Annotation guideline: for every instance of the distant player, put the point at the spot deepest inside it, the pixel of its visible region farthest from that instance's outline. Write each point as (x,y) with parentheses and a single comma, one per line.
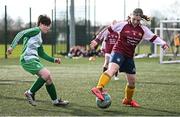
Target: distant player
(29,60)
(177,43)
(107,45)
(131,33)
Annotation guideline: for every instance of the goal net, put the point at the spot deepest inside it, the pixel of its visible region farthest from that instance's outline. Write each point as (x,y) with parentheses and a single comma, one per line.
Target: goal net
(170,31)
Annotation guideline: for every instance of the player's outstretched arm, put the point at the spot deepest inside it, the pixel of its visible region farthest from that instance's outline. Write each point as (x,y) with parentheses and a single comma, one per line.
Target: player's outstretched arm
(43,55)
(165,47)
(15,41)
(93,44)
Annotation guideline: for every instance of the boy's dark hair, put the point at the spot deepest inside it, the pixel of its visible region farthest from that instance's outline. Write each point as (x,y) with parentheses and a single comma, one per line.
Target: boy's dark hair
(44,19)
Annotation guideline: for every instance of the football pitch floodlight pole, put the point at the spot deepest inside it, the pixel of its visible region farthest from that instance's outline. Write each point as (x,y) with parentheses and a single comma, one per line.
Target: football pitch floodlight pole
(89,18)
(72,25)
(5,31)
(67,27)
(124,9)
(52,32)
(138,47)
(30,24)
(85,9)
(54,27)
(94,17)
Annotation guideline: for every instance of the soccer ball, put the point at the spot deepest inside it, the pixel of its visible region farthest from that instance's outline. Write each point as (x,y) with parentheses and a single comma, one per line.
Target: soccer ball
(104,104)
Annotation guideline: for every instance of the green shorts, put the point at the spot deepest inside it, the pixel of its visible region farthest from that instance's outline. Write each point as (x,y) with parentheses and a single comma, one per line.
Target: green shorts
(33,66)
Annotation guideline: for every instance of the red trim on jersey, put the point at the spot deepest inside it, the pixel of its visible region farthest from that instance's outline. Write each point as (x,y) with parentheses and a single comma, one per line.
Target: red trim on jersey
(98,40)
(110,29)
(154,37)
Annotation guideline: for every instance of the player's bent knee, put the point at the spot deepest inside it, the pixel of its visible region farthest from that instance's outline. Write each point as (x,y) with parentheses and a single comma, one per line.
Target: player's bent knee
(45,74)
(49,81)
(110,72)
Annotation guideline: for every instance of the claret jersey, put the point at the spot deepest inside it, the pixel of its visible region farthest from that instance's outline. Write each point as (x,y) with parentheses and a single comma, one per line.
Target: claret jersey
(108,41)
(131,36)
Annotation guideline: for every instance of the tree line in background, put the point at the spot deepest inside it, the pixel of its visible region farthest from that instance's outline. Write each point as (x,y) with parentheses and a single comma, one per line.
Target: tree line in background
(83,33)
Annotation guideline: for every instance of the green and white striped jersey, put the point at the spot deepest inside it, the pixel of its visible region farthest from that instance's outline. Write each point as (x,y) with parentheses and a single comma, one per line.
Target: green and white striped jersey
(32,44)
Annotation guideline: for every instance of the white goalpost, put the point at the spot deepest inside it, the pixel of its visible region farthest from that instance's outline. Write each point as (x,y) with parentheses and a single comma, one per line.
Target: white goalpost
(168,29)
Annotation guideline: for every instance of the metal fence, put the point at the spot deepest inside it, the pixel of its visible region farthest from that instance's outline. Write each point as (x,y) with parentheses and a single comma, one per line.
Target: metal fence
(58,37)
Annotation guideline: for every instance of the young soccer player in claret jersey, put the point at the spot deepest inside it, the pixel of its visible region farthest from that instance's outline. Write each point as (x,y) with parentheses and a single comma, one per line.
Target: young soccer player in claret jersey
(131,33)
(107,45)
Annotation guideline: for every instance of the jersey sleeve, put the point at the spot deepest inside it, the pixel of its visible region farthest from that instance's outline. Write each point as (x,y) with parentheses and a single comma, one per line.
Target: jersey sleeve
(101,35)
(25,33)
(150,36)
(43,55)
(17,38)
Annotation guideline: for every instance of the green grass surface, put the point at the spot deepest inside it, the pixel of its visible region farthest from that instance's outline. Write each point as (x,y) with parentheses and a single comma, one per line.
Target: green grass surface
(17,51)
(142,49)
(157,89)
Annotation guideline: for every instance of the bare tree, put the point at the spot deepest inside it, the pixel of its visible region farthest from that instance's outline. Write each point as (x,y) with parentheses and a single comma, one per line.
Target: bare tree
(170,12)
(173,11)
(18,24)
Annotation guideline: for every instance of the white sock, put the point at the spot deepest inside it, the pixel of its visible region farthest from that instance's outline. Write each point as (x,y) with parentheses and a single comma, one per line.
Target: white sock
(29,92)
(55,101)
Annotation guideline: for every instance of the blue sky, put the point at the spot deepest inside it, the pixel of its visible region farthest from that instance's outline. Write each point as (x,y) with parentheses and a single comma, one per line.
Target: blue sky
(106,10)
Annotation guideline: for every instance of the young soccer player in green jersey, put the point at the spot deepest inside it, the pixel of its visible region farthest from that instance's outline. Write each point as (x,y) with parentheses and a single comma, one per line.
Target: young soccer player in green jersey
(29,60)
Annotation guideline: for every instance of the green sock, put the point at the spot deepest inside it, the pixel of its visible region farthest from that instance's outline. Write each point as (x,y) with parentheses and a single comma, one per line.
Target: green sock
(51,91)
(37,85)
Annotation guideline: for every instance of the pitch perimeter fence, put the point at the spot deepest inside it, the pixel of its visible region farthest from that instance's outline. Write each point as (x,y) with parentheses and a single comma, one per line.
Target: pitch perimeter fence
(57,39)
